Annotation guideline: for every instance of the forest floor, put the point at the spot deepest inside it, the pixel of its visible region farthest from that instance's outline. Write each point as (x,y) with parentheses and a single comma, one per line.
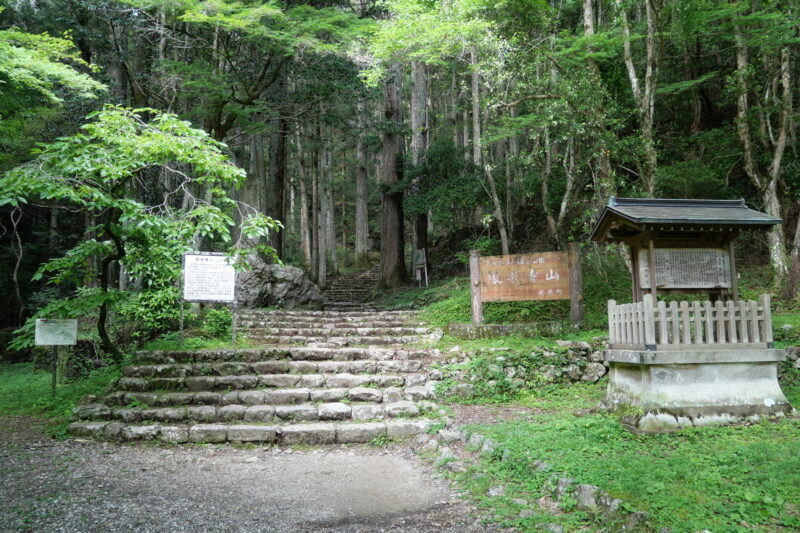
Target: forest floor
(81,485)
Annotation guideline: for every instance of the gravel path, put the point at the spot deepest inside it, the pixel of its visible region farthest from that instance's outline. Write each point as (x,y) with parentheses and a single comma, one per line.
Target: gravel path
(84,486)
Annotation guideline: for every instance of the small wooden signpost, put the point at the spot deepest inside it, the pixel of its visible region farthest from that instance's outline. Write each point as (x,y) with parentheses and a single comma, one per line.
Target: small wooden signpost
(420,266)
(55,333)
(525,277)
(208,277)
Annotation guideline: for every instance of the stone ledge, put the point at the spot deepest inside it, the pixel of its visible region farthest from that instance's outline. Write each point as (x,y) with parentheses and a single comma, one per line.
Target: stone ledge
(532,330)
(691,357)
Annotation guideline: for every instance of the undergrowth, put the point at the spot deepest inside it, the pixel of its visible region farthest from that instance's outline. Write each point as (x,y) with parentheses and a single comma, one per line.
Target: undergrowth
(721,479)
(26,391)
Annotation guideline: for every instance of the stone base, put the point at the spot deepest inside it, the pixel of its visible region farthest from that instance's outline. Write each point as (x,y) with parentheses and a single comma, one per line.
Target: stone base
(665,390)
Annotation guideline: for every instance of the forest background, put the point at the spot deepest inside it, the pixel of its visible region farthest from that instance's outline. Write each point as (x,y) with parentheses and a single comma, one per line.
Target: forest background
(368,126)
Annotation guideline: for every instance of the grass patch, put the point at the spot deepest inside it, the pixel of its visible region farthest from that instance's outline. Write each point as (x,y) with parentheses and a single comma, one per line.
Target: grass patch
(724,479)
(26,391)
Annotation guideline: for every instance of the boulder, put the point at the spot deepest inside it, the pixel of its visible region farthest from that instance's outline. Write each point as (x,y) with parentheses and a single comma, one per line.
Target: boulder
(287,287)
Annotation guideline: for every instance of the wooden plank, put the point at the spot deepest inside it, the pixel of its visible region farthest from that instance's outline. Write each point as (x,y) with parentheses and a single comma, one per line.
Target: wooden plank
(733,338)
(663,332)
(709,322)
(720,311)
(475,286)
(627,334)
(732,258)
(635,323)
(673,316)
(767,310)
(743,333)
(525,277)
(612,322)
(649,321)
(651,263)
(575,285)
(687,329)
(698,325)
(755,328)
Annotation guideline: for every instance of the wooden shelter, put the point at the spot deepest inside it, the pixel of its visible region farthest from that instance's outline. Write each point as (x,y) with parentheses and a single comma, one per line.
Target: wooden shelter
(687,243)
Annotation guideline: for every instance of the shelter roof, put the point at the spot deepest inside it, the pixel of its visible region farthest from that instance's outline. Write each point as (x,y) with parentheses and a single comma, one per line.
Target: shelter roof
(636,213)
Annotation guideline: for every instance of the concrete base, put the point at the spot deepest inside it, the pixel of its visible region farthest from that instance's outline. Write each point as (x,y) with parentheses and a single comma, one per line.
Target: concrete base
(665,390)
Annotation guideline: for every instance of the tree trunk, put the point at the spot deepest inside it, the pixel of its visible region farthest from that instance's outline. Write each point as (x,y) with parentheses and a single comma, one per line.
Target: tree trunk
(605,182)
(280,182)
(305,235)
(645,102)
(419,103)
(393,271)
(322,234)
(476,110)
(361,259)
(330,222)
(767,182)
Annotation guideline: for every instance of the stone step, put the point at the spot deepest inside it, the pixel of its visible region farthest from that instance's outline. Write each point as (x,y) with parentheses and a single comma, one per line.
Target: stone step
(260,413)
(183,370)
(129,399)
(302,324)
(296,353)
(367,316)
(341,341)
(266,381)
(311,433)
(273,331)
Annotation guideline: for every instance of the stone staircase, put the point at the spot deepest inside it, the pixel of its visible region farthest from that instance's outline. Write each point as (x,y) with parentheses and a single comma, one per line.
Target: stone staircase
(350,292)
(319,377)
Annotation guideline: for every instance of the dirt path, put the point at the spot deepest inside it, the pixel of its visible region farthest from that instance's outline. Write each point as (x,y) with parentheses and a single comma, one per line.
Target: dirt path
(83,486)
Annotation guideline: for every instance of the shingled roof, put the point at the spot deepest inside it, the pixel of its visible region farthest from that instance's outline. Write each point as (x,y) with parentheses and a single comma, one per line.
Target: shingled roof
(649,211)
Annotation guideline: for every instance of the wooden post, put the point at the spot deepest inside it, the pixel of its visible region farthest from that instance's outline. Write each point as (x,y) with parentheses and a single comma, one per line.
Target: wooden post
(54,369)
(734,285)
(651,264)
(475,286)
(575,285)
(764,300)
(612,323)
(233,322)
(649,322)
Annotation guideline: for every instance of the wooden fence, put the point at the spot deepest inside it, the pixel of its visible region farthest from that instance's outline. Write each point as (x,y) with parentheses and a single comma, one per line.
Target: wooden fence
(643,325)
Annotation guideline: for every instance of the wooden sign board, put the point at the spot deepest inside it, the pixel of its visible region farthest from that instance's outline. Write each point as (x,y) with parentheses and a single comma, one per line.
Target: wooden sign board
(524,277)
(687,268)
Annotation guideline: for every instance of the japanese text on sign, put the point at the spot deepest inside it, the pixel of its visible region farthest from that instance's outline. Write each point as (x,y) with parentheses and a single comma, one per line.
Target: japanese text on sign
(208,278)
(52,332)
(523,277)
(682,268)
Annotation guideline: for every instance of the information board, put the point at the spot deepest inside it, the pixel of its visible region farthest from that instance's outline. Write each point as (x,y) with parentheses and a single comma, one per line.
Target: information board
(208,277)
(56,332)
(522,277)
(687,268)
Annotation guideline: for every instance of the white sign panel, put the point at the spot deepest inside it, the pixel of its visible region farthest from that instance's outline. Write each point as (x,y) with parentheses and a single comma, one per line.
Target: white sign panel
(208,278)
(53,332)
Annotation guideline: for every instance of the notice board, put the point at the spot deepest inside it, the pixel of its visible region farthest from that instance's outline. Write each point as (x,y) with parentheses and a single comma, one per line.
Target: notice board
(208,277)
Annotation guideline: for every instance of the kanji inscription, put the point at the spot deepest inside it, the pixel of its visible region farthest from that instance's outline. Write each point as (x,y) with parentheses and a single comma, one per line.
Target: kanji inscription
(509,278)
(687,268)
(208,278)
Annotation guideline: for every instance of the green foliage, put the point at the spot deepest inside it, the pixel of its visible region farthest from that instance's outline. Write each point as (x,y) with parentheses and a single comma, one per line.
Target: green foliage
(151,312)
(500,375)
(26,391)
(92,171)
(40,63)
(218,322)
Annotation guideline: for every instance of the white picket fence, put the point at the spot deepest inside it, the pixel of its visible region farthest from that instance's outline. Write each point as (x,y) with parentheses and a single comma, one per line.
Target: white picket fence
(696,324)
